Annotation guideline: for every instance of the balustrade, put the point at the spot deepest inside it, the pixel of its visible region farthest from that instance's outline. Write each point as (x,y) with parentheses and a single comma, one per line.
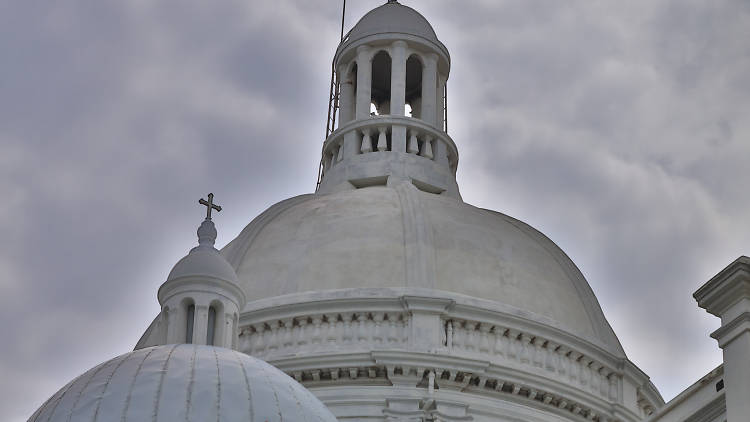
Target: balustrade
(323,332)
(508,345)
(373,330)
(376,135)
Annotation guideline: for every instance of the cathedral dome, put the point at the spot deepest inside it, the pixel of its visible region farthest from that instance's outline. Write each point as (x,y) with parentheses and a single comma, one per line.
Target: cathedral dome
(404,238)
(183,382)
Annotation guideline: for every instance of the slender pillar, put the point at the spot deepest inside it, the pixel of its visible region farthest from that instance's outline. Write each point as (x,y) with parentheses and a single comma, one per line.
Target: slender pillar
(364,82)
(346,99)
(429,89)
(175,326)
(398,94)
(398,78)
(200,328)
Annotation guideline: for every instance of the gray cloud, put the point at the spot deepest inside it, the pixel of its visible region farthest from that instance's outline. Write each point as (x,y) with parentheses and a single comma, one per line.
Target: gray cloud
(618,129)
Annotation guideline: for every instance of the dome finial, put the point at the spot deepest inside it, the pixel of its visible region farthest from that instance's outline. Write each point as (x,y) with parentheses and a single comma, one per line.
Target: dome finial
(207,230)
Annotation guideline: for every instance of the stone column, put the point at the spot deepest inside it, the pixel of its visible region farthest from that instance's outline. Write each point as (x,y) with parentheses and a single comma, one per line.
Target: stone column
(346,98)
(364,82)
(429,88)
(398,78)
(398,94)
(200,327)
(727,295)
(175,325)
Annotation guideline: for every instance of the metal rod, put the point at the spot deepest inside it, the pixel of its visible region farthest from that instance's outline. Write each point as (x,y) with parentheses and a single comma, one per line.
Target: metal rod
(343,13)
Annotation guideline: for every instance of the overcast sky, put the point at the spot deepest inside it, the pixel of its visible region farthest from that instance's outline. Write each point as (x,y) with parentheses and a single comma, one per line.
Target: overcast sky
(619,129)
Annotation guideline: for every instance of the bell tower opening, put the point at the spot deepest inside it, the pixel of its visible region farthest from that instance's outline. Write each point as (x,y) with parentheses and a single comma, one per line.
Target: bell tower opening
(381,84)
(414,86)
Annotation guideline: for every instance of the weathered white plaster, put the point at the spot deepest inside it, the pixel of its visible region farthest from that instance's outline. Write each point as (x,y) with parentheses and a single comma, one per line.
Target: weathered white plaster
(183,383)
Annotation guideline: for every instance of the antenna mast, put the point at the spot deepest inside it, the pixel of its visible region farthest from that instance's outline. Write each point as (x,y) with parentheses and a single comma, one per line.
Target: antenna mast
(333,97)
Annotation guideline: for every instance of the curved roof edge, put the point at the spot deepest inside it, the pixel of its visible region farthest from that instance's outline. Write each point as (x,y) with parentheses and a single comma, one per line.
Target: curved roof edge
(593,309)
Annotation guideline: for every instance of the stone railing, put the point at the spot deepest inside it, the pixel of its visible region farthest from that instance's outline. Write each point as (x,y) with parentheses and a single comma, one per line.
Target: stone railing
(512,347)
(389,133)
(419,341)
(327,332)
(389,330)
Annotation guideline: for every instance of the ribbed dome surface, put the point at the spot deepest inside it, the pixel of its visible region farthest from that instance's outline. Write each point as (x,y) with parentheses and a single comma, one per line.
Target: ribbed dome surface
(401,237)
(183,383)
(394,18)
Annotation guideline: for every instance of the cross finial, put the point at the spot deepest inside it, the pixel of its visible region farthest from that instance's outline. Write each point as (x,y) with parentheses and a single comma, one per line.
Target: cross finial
(209,205)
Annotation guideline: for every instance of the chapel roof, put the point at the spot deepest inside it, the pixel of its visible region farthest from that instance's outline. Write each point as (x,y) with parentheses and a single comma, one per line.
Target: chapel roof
(183,382)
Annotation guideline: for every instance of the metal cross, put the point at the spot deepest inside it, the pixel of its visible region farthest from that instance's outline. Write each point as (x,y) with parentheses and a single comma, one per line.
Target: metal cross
(209,205)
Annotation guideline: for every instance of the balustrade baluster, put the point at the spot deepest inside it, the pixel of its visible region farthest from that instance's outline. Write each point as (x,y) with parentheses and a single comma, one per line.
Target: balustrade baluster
(458,335)
(595,376)
(317,320)
(563,361)
(377,332)
(286,334)
(391,335)
(613,381)
(273,341)
(259,346)
(513,344)
(346,337)
(501,342)
(332,334)
(551,357)
(366,141)
(538,352)
(604,382)
(413,147)
(382,140)
(361,328)
(302,332)
(525,348)
(470,338)
(585,374)
(245,343)
(427,147)
(484,342)
(574,368)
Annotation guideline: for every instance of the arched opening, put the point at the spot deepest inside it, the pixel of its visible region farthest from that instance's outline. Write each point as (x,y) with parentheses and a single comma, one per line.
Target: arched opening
(211,329)
(190,323)
(381,84)
(414,86)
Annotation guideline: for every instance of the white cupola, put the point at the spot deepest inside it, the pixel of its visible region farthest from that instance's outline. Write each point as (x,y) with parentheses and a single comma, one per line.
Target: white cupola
(388,107)
(201,299)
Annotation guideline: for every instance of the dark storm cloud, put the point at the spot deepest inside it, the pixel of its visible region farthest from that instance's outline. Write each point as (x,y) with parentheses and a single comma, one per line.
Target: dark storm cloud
(619,129)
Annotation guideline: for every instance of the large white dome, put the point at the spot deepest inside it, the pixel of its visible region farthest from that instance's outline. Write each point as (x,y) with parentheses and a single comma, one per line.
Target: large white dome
(183,382)
(386,237)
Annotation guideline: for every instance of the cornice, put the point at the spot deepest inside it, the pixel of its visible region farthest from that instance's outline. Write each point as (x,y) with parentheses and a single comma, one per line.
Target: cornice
(726,288)
(731,330)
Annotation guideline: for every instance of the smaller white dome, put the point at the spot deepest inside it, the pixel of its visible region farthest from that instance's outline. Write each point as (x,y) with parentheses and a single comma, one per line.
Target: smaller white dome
(204,260)
(393,17)
(183,382)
